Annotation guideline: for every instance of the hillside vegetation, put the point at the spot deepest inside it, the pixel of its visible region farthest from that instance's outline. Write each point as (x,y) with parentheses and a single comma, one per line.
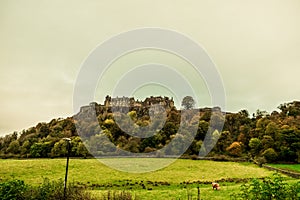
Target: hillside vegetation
(264,137)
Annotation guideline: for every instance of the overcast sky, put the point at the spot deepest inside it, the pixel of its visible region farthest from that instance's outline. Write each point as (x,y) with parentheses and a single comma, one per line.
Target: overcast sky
(254,44)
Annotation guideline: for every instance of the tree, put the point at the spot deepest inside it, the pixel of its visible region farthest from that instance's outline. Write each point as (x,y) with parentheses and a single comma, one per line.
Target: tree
(188,102)
(132,145)
(202,130)
(261,113)
(235,149)
(81,150)
(59,149)
(224,141)
(14,147)
(217,120)
(41,150)
(25,148)
(267,142)
(170,129)
(255,145)
(271,129)
(270,155)
(100,144)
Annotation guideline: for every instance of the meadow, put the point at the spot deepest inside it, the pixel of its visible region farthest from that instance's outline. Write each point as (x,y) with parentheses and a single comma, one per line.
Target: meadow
(291,167)
(177,181)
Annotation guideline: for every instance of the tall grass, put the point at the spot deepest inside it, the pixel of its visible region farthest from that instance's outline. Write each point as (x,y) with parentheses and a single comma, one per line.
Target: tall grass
(118,195)
(48,190)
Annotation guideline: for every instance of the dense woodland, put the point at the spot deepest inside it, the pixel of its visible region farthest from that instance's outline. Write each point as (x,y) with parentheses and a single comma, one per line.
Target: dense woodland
(262,137)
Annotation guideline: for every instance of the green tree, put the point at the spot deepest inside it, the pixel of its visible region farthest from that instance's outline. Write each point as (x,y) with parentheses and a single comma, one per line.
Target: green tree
(202,130)
(100,144)
(217,120)
(59,149)
(81,150)
(14,147)
(270,155)
(267,142)
(255,145)
(271,129)
(224,141)
(41,149)
(132,145)
(188,103)
(169,129)
(25,148)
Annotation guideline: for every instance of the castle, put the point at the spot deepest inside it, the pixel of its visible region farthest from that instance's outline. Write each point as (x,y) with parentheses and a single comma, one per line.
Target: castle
(126,104)
(129,103)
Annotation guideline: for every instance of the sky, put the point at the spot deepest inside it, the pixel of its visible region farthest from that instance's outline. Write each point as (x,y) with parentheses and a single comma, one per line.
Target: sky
(255,46)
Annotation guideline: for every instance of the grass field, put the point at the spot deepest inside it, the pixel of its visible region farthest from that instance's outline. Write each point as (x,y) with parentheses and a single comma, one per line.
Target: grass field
(173,182)
(292,167)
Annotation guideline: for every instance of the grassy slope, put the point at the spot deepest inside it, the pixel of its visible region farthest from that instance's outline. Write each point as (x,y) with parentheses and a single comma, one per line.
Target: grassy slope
(91,171)
(293,167)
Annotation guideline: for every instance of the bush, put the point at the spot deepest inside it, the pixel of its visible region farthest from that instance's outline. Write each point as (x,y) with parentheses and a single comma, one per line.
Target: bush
(12,190)
(55,190)
(269,188)
(48,190)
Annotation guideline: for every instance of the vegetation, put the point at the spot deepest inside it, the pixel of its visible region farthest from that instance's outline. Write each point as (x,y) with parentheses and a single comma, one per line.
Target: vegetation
(50,190)
(263,137)
(188,102)
(91,172)
(177,181)
(118,195)
(291,167)
(269,188)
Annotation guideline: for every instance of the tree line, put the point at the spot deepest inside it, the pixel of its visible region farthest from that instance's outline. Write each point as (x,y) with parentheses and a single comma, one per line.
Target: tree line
(264,137)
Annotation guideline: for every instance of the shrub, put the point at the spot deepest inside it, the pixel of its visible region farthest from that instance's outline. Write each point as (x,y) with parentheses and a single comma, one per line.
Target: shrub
(48,190)
(12,190)
(54,190)
(268,188)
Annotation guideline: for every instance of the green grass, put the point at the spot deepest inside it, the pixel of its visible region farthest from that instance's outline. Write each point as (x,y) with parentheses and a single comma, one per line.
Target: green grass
(173,182)
(292,167)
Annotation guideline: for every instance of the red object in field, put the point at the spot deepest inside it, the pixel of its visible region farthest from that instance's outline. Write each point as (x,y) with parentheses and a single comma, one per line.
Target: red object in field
(215,186)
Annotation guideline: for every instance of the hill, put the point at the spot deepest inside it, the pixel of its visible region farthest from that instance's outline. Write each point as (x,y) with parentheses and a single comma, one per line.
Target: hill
(264,137)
